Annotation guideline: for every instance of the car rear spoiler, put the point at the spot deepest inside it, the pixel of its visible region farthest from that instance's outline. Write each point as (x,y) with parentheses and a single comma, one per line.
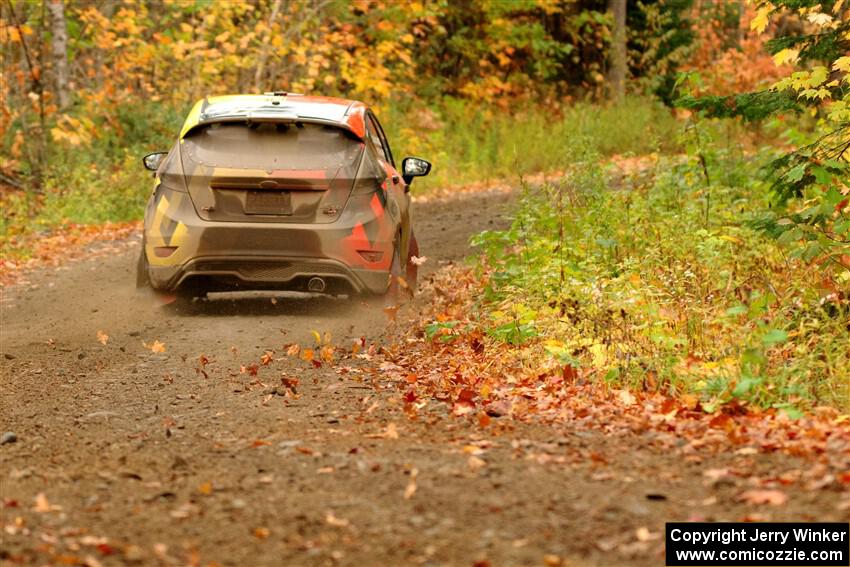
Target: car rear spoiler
(260,117)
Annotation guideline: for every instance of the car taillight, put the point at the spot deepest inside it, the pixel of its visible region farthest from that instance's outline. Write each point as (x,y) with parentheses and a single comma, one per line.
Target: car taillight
(164,251)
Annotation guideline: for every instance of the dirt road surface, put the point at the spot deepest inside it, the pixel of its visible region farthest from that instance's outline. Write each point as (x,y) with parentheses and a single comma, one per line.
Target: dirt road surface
(129,456)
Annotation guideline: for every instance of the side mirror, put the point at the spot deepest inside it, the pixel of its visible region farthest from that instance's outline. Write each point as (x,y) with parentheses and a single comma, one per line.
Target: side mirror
(153,161)
(414,167)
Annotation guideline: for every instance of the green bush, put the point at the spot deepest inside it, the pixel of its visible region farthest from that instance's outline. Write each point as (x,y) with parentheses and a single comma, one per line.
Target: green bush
(661,282)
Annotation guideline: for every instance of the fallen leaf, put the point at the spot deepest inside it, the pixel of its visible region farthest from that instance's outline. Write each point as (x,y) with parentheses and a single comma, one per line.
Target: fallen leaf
(391,312)
(476,463)
(626,398)
(410,490)
(155,346)
(307,354)
(205,488)
(42,505)
(316,337)
(418,260)
(483,420)
(184,511)
(261,533)
(391,432)
(332,520)
(771,497)
(714,475)
(643,534)
(689,401)
(293,350)
(102,338)
(267,358)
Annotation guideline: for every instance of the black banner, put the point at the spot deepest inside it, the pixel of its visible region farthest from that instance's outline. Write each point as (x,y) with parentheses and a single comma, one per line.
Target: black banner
(769,544)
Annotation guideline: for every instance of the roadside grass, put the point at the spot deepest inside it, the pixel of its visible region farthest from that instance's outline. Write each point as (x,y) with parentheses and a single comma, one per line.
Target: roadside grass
(101,179)
(468,143)
(657,281)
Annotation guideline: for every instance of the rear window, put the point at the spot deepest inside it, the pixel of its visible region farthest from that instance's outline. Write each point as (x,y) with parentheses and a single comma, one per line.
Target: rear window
(274,146)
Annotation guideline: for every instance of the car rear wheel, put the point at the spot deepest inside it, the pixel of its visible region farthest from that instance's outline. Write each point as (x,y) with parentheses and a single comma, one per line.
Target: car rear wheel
(142,277)
(402,271)
(391,296)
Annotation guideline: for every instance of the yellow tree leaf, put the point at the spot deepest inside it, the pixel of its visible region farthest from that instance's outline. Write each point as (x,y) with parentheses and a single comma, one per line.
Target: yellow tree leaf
(842,64)
(762,18)
(786,56)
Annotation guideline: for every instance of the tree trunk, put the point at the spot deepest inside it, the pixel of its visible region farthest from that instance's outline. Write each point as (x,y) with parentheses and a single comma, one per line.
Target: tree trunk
(618,63)
(264,50)
(59,51)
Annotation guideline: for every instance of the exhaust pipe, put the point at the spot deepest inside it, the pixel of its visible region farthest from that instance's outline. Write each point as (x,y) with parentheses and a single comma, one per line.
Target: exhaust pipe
(316,285)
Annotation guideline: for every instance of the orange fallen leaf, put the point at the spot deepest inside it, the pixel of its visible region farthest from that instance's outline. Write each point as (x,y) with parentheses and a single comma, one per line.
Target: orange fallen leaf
(102,338)
(689,401)
(483,420)
(327,353)
(261,533)
(260,443)
(205,488)
(307,354)
(391,312)
(267,358)
(155,346)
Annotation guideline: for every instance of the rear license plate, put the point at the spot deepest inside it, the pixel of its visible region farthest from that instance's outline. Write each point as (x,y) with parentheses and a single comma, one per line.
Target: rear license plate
(268,203)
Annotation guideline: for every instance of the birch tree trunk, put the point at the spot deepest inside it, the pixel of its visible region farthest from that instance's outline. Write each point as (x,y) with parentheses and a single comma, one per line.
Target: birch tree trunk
(59,51)
(617,70)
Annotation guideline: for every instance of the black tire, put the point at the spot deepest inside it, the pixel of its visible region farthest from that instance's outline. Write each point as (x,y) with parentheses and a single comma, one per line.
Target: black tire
(143,278)
(391,296)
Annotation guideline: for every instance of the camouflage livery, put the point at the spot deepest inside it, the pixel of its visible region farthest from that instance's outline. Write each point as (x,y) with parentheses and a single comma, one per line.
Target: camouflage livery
(279,191)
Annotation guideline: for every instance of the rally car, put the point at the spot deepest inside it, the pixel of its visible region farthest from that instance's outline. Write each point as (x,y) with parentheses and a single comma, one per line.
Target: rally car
(279,192)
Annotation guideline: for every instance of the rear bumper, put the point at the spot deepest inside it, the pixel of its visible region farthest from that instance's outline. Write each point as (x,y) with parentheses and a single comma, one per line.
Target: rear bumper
(181,247)
(229,273)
